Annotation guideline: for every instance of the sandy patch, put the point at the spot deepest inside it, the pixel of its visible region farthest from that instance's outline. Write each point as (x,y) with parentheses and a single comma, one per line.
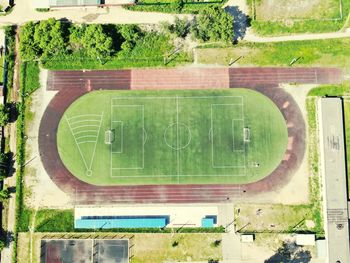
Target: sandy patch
(43,191)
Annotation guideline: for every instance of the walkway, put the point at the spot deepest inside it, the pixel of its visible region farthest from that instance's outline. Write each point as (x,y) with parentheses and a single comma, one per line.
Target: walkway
(24,12)
(6,253)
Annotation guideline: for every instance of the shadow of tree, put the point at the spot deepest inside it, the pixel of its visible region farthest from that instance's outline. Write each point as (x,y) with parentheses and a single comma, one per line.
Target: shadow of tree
(290,253)
(241,22)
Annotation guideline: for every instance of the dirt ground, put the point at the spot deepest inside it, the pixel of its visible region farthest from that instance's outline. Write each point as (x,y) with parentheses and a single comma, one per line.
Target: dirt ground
(296,191)
(155,248)
(296,9)
(43,191)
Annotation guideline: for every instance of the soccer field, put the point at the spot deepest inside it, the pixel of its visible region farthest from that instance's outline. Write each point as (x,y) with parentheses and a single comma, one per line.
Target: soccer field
(172,137)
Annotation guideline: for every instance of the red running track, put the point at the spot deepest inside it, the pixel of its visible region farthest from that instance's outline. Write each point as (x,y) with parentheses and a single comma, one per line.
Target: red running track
(73,84)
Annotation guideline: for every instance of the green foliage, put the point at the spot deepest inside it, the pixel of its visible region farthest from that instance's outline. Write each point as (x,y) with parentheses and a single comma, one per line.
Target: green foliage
(42,9)
(272,28)
(331,90)
(148,51)
(180,27)
(177,5)
(174,6)
(4,164)
(4,114)
(95,46)
(45,38)
(213,24)
(131,34)
(23,223)
(30,74)
(96,42)
(10,56)
(2,244)
(4,194)
(50,220)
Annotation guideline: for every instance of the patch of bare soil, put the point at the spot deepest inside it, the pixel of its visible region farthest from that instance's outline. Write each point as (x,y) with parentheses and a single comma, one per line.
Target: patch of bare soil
(43,192)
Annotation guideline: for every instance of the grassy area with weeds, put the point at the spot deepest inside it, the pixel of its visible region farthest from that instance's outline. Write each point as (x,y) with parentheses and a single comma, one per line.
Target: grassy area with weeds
(328,52)
(146,247)
(325,17)
(148,52)
(304,218)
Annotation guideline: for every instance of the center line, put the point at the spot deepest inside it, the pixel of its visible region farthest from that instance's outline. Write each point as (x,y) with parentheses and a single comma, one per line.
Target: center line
(177,139)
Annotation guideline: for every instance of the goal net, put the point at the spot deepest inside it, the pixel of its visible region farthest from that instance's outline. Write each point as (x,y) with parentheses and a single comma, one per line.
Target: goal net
(109,137)
(246,132)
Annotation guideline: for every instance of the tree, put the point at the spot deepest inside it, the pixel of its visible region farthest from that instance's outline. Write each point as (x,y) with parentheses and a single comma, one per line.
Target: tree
(4,194)
(75,37)
(131,34)
(2,244)
(49,37)
(178,5)
(290,252)
(97,43)
(4,162)
(213,24)
(180,27)
(28,48)
(4,115)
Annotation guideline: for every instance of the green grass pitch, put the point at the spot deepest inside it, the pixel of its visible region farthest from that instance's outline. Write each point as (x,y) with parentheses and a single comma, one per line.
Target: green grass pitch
(172,137)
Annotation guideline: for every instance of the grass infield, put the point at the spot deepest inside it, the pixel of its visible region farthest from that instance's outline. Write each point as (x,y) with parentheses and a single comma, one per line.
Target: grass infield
(172,137)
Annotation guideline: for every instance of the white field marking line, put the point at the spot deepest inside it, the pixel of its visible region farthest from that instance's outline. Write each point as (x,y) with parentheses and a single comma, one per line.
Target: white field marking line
(82,121)
(146,136)
(86,136)
(212,141)
(111,146)
(83,115)
(83,126)
(172,97)
(84,131)
(245,150)
(86,142)
(98,134)
(143,140)
(233,135)
(150,176)
(177,139)
(82,157)
(121,137)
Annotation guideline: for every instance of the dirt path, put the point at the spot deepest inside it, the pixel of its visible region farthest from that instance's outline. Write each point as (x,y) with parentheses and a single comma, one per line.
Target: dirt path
(24,11)
(6,255)
(300,37)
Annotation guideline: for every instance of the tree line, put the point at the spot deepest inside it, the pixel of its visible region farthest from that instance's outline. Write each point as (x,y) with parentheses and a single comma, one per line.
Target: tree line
(52,38)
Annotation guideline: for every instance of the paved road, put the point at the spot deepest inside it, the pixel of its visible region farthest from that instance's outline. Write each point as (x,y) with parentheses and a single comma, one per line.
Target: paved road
(24,12)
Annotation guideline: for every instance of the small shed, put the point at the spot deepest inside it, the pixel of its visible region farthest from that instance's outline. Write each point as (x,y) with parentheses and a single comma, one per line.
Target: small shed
(248,238)
(305,239)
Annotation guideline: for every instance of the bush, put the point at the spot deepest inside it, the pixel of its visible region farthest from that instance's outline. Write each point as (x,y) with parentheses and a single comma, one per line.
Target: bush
(42,39)
(213,24)
(180,27)
(4,114)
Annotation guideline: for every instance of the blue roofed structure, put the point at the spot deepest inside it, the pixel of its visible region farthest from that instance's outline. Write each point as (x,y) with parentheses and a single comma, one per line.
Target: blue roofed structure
(122,222)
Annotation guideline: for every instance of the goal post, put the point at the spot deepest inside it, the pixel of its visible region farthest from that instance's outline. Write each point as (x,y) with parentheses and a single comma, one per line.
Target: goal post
(109,137)
(246,134)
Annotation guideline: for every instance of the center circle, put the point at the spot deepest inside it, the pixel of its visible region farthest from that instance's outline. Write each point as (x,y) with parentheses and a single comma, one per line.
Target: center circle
(177,136)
